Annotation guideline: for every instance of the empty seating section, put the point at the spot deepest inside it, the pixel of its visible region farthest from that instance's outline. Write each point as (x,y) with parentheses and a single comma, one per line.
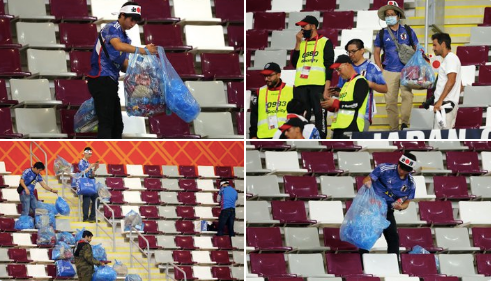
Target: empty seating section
(53,40)
(293,218)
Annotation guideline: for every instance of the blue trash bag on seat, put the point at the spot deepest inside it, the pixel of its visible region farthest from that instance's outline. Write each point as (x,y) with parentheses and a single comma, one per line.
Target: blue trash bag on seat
(104,273)
(66,237)
(78,234)
(420,250)
(99,252)
(64,268)
(365,220)
(418,73)
(46,236)
(62,251)
(62,206)
(45,220)
(50,207)
(24,222)
(133,277)
(133,219)
(85,120)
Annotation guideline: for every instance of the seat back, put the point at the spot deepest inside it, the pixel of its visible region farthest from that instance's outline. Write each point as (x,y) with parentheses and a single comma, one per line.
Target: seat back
(264,237)
(170,171)
(407,216)
(475,212)
(410,237)
(429,160)
(354,161)
(299,238)
(280,39)
(300,186)
(282,160)
(354,5)
(204,36)
(258,211)
(17,270)
(269,20)
(220,65)
(207,93)
(257,5)
(155,11)
(80,62)
(381,264)
(27,9)
(469,118)
(10,62)
(457,265)
(343,264)
(103,9)
(235,35)
(452,238)
(72,92)
(168,125)
(421,119)
(337,187)
(36,34)
(481,237)
(5,34)
(183,63)
(339,20)
(230,11)
(326,211)
(386,157)
(36,120)
(362,34)
(263,185)
(67,10)
(450,187)
(168,35)
(436,211)
(418,265)
(30,90)
(473,55)
(6,127)
(296,16)
(463,161)
(270,264)
(46,62)
(188,171)
(318,162)
(257,39)
(262,57)
(306,264)
(332,240)
(193,9)
(134,124)
(480,186)
(213,124)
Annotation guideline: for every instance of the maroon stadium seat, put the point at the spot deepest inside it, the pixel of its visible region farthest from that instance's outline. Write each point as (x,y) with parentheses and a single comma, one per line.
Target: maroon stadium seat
(74,10)
(224,172)
(67,127)
(7,225)
(188,185)
(116,170)
(116,197)
(269,265)
(320,5)
(269,21)
(257,5)
(379,3)
(17,271)
(6,35)
(469,118)
(150,197)
(167,36)
(437,213)
(80,62)
(221,66)
(10,64)
(320,162)
(257,39)
(333,241)
(2,183)
(478,145)
(302,187)
(215,211)
(290,212)
(464,162)
(386,157)
(6,130)
(71,92)
(220,257)
(4,99)
(151,227)
(18,255)
(285,279)
(170,126)
(182,257)
(153,183)
(152,242)
(222,273)
(451,187)
(487,17)
(183,63)
(473,55)
(341,145)
(152,171)
(235,93)
(484,78)
(187,198)
(235,37)
(271,145)
(440,278)
(410,237)
(185,227)
(185,242)
(70,35)
(157,11)
(187,171)
(240,122)
(358,278)
(222,242)
(483,263)
(231,11)
(332,34)
(115,184)
(186,212)
(481,237)
(412,145)
(265,239)
(418,265)
(339,20)
(178,275)
(254,80)
(345,264)
(149,212)
(118,213)
(248,58)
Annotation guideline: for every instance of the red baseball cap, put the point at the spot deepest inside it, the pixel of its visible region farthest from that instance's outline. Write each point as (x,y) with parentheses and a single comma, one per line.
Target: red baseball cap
(271,67)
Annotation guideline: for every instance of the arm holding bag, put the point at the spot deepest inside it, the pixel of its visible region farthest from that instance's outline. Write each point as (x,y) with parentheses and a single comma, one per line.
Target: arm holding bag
(365,220)
(417,73)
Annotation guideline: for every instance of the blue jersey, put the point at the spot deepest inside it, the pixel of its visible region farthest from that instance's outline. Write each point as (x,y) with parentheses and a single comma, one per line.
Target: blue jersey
(228,196)
(100,64)
(83,165)
(30,179)
(373,74)
(387,183)
(391,61)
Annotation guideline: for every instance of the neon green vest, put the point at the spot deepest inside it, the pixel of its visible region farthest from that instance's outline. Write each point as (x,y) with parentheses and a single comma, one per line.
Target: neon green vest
(317,75)
(345,116)
(263,130)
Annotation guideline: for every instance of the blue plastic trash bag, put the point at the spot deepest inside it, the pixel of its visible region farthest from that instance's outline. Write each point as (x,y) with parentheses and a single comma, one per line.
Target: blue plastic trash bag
(78,234)
(62,251)
(46,236)
(120,268)
(133,277)
(85,120)
(66,237)
(24,222)
(365,220)
(50,207)
(64,268)
(177,96)
(204,226)
(418,73)
(99,253)
(60,166)
(133,219)
(103,192)
(143,90)
(420,250)
(62,206)
(45,220)
(104,273)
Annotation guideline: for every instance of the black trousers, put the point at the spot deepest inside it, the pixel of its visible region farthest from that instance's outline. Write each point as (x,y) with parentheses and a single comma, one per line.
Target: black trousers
(227,217)
(104,90)
(391,235)
(311,96)
(86,204)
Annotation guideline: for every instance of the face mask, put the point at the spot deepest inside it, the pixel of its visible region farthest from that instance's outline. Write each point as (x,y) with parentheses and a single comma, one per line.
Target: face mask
(307,34)
(391,20)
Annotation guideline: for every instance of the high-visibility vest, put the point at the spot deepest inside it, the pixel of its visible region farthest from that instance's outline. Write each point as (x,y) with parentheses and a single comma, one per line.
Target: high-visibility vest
(317,74)
(286,96)
(345,116)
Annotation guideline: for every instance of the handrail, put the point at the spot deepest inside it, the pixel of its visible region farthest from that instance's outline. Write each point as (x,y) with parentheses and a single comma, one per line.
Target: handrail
(31,155)
(64,184)
(175,267)
(111,222)
(147,253)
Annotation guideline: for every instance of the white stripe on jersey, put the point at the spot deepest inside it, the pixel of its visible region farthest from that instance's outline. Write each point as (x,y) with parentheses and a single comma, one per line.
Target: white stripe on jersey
(98,47)
(388,167)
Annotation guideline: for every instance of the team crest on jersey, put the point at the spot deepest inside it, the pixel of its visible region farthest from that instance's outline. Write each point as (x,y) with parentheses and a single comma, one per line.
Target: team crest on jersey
(404,188)
(403,36)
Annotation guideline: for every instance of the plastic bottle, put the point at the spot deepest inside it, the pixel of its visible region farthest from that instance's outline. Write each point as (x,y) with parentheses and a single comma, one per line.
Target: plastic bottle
(399,201)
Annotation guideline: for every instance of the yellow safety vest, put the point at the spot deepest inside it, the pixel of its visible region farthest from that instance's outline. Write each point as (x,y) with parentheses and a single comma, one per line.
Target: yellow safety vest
(286,96)
(344,116)
(317,74)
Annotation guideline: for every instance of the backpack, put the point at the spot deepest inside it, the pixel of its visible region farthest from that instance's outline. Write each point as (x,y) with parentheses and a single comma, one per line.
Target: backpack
(381,36)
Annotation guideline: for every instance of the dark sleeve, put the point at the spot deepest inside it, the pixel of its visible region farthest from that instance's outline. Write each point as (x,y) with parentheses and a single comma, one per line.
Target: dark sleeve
(87,255)
(328,59)
(361,91)
(294,58)
(254,106)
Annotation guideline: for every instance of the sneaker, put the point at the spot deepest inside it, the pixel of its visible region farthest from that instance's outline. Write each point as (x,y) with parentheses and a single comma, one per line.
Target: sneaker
(403,126)
(91,220)
(86,220)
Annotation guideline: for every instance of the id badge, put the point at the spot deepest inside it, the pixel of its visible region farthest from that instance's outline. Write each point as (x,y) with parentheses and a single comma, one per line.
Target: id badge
(305,72)
(272,122)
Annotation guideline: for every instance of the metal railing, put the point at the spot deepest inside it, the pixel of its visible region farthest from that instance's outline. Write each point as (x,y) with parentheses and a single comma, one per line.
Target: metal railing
(175,267)
(148,254)
(64,184)
(32,155)
(111,221)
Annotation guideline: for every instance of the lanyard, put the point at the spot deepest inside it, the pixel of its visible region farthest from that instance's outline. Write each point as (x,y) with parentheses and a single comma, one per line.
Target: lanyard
(315,47)
(277,102)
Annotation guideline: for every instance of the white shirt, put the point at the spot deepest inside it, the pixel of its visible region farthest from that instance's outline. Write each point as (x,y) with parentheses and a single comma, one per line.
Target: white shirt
(450,64)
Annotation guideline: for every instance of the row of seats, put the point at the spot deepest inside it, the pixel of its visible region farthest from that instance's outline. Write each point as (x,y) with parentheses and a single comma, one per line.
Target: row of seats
(171,242)
(331,213)
(205,257)
(317,5)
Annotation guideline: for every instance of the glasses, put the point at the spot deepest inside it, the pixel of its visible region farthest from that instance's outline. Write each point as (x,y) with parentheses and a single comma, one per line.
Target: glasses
(269,76)
(352,52)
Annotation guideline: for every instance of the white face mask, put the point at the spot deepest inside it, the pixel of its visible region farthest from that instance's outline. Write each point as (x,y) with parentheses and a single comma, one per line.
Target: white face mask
(392,20)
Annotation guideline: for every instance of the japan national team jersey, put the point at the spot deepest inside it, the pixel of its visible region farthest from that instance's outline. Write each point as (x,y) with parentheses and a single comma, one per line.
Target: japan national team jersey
(30,179)
(83,165)
(388,185)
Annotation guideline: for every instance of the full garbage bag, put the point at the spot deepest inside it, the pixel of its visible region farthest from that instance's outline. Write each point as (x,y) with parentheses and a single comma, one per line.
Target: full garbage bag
(99,253)
(85,120)
(60,166)
(120,268)
(24,222)
(418,73)
(133,219)
(62,206)
(104,273)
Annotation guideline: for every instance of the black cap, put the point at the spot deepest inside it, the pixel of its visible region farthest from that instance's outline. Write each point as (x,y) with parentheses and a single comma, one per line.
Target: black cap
(292,122)
(308,20)
(340,60)
(271,67)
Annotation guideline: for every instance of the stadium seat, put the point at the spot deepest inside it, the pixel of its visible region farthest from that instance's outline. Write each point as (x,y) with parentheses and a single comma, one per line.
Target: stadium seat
(6,35)
(170,184)
(194,11)
(153,171)
(188,185)
(320,163)
(167,36)
(115,209)
(188,273)
(18,271)
(257,5)
(269,20)
(187,198)
(134,127)
(480,35)
(222,272)
(221,66)
(320,5)
(6,239)
(235,93)
(482,264)
(6,130)
(4,256)
(224,172)
(153,184)
(215,125)
(408,216)
(286,6)
(386,157)
(483,77)
(283,39)
(25,240)
(135,171)
(160,125)
(209,94)
(4,98)
(70,11)
(159,11)
(103,9)
(339,19)
(301,187)
(32,92)
(421,119)
(239,172)
(253,162)
(473,55)
(262,57)
(369,20)
(48,63)
(464,162)
(149,212)
(117,197)
(412,145)
(37,35)
(307,265)
(454,240)
(337,187)
(254,80)
(207,172)
(152,242)
(487,17)
(188,171)
(475,213)
(333,241)
(354,5)
(480,186)
(235,37)
(10,66)
(354,162)
(115,183)
(230,11)
(18,255)
(257,39)
(26,9)
(168,242)
(344,264)
(80,62)
(221,242)
(269,265)
(326,212)
(437,213)
(451,187)
(265,239)
(150,197)
(418,265)
(283,162)
(37,123)
(481,237)
(296,16)
(169,198)
(185,227)
(206,38)
(303,239)
(411,237)
(469,118)
(382,265)
(183,63)
(457,265)
(71,92)
(264,186)
(170,171)
(333,35)
(117,170)
(431,162)
(182,257)
(362,34)
(163,257)
(258,212)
